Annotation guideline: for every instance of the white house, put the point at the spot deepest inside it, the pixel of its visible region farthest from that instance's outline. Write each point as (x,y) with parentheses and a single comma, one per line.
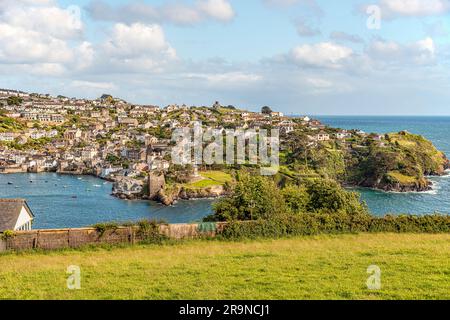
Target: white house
(323,136)
(7,136)
(15,215)
(343,134)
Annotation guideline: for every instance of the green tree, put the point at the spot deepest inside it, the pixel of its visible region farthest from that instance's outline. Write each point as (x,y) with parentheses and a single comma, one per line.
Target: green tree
(254,197)
(329,196)
(266,110)
(14,101)
(296,198)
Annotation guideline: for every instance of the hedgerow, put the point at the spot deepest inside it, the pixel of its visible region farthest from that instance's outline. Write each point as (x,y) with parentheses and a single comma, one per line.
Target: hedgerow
(334,223)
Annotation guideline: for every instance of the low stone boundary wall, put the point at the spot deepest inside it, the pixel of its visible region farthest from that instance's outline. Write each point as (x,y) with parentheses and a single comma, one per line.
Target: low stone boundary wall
(74,238)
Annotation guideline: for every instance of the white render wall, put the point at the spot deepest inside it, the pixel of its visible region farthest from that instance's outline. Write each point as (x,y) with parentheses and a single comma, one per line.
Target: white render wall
(24,218)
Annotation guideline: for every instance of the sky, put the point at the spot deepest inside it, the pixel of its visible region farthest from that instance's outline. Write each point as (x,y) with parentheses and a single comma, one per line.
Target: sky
(312,57)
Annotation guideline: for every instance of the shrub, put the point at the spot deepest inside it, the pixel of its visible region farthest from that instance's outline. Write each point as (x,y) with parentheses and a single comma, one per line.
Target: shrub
(149,232)
(328,196)
(8,234)
(297,198)
(103,227)
(253,197)
(336,223)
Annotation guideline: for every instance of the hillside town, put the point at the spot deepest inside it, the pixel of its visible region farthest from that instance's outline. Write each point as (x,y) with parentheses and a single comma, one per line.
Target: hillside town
(119,141)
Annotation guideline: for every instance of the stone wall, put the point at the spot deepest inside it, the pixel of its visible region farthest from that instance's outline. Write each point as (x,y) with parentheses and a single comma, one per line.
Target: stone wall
(73,238)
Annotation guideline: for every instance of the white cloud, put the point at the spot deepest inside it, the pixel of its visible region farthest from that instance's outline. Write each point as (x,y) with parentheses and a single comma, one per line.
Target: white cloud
(387,53)
(414,8)
(53,21)
(218,9)
(137,47)
(84,55)
(137,39)
(42,36)
(28,2)
(45,69)
(176,13)
(325,54)
(18,45)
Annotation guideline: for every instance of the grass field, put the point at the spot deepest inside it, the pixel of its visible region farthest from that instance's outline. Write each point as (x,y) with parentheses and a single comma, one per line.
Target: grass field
(211,178)
(324,267)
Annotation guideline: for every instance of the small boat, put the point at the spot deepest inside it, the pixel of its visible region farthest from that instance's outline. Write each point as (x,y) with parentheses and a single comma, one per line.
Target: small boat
(65,187)
(80,178)
(10,183)
(97,185)
(31,181)
(74,197)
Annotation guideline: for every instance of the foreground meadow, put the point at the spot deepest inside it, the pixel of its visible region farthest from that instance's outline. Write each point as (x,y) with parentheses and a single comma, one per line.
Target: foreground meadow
(323,267)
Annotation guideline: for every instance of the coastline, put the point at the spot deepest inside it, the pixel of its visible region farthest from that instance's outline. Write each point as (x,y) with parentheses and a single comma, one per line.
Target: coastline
(432,186)
(181,195)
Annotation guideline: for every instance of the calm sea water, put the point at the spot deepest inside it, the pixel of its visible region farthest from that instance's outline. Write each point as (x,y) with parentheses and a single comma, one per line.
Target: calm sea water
(51,195)
(436,129)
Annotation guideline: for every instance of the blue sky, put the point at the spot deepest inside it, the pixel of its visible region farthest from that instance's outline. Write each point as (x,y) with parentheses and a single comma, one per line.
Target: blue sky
(298,56)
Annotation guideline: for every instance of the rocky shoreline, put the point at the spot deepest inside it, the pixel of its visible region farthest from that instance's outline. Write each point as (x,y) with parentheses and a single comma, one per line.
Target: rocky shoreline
(421,185)
(132,189)
(401,188)
(181,193)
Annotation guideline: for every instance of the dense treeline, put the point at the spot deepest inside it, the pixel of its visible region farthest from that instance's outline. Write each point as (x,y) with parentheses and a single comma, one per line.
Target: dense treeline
(258,207)
(396,161)
(256,197)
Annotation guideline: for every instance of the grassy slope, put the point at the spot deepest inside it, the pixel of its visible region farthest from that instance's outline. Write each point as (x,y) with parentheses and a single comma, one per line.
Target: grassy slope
(211,178)
(10,124)
(325,267)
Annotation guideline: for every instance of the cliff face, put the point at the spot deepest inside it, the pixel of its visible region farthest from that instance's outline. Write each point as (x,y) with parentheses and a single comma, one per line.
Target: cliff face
(169,196)
(401,164)
(391,182)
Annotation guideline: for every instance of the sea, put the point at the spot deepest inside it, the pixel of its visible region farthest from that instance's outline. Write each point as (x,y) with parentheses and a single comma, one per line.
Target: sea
(436,129)
(65,201)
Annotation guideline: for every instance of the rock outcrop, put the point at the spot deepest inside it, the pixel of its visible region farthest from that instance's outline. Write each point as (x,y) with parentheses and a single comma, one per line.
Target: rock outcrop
(403,165)
(169,197)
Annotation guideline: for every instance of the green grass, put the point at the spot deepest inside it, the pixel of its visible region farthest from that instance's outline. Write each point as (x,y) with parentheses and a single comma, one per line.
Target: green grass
(218,176)
(325,267)
(204,184)
(403,179)
(211,178)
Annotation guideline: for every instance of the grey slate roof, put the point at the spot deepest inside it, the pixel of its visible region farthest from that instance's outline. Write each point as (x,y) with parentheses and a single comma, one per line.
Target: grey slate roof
(10,211)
